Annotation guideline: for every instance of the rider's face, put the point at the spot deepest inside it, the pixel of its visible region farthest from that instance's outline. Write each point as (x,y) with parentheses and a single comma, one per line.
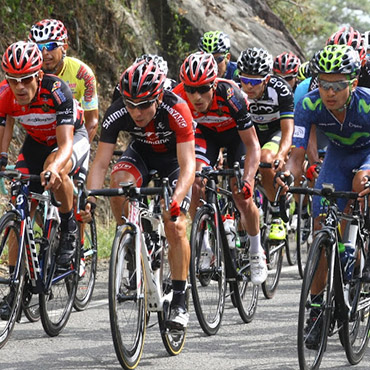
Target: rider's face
(143,114)
(335,100)
(255,89)
(26,89)
(201,101)
(52,58)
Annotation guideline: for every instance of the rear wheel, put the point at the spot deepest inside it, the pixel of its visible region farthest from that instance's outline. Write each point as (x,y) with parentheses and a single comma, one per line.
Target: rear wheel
(60,285)
(207,272)
(315,311)
(10,289)
(127,305)
(88,265)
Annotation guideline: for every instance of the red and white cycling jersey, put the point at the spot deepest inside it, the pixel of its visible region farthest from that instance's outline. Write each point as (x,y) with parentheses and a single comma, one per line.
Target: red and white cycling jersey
(52,106)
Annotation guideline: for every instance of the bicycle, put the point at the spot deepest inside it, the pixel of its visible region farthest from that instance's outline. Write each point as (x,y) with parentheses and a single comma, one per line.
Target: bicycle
(139,274)
(274,248)
(343,305)
(56,286)
(228,264)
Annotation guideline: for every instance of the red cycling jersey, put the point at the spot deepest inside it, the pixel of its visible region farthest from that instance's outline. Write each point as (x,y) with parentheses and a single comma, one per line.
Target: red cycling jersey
(52,106)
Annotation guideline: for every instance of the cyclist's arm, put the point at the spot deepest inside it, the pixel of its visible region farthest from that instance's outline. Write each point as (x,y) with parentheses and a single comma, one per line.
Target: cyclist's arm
(287,128)
(312,153)
(91,122)
(99,167)
(253,155)
(186,159)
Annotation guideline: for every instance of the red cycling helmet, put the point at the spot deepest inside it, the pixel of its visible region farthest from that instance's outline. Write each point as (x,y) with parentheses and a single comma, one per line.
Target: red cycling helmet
(143,80)
(351,37)
(286,64)
(21,58)
(48,30)
(198,69)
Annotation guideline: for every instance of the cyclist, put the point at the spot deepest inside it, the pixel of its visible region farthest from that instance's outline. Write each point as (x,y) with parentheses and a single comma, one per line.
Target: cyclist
(161,129)
(52,39)
(221,113)
(56,141)
(286,66)
(218,44)
(271,107)
(341,109)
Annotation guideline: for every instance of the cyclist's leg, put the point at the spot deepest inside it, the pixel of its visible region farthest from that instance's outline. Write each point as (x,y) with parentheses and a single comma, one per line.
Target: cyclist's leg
(131,167)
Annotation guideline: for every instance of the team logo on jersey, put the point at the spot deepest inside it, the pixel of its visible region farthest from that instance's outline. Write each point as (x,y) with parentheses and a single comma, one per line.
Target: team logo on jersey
(45,108)
(230,93)
(219,112)
(56,85)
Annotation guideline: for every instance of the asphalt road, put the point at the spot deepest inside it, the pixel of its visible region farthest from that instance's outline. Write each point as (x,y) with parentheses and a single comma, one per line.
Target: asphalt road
(268,342)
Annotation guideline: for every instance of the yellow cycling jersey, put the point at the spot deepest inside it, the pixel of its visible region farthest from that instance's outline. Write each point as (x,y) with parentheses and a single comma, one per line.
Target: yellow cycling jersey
(81,81)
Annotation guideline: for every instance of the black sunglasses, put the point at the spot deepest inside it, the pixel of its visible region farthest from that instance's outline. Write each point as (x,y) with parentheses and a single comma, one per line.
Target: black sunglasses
(199,89)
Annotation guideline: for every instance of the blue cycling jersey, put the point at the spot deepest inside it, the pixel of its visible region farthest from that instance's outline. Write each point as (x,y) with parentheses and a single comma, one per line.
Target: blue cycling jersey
(352,134)
(301,90)
(230,70)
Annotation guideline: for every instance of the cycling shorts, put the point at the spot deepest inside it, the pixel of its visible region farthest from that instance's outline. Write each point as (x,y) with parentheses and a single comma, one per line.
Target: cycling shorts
(33,155)
(140,165)
(337,169)
(208,144)
(272,143)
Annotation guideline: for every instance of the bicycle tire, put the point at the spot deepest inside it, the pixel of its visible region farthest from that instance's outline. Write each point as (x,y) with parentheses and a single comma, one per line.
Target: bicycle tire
(173,341)
(89,257)
(310,355)
(274,259)
(354,333)
(208,286)
(305,232)
(291,226)
(127,311)
(9,232)
(56,303)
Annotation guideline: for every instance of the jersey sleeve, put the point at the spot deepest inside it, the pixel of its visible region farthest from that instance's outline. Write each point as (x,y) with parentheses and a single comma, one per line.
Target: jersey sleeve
(113,122)
(5,101)
(65,109)
(181,122)
(286,103)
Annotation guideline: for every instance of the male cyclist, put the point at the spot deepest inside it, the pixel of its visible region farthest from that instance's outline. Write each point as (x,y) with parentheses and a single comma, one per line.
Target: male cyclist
(52,39)
(271,107)
(286,66)
(221,113)
(56,141)
(162,138)
(218,44)
(341,109)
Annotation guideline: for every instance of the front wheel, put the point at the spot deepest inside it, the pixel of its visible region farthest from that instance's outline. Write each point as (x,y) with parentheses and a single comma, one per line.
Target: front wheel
(60,284)
(10,289)
(88,265)
(315,310)
(127,299)
(207,272)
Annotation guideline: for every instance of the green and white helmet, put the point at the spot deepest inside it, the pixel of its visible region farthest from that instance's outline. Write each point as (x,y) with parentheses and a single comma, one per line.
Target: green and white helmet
(215,42)
(341,59)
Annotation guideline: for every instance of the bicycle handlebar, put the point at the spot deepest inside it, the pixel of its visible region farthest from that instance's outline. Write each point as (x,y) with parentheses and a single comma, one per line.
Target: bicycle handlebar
(327,192)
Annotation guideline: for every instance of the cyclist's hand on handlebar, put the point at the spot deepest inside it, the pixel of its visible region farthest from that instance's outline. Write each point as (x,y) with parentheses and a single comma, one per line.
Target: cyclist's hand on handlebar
(174,210)
(313,171)
(246,190)
(86,215)
(284,179)
(50,179)
(365,181)
(3,160)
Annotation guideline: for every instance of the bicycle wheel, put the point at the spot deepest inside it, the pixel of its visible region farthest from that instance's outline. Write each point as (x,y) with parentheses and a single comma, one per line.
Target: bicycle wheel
(10,290)
(88,266)
(127,306)
(60,284)
(355,330)
(173,340)
(315,312)
(305,233)
(291,245)
(207,275)
(30,302)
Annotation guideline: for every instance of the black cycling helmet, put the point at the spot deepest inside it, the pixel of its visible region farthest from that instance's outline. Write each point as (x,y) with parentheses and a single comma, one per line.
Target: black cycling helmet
(254,61)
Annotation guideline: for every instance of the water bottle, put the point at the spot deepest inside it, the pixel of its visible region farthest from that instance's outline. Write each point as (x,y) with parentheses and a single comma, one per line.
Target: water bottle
(347,253)
(230,231)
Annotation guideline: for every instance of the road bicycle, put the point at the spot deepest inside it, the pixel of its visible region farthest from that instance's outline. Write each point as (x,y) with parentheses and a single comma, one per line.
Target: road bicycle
(229,263)
(139,273)
(55,285)
(343,304)
(274,248)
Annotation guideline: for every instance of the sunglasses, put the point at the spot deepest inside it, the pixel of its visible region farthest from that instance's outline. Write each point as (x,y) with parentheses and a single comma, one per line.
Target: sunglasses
(288,78)
(252,81)
(199,89)
(220,59)
(336,86)
(25,80)
(50,46)
(142,105)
